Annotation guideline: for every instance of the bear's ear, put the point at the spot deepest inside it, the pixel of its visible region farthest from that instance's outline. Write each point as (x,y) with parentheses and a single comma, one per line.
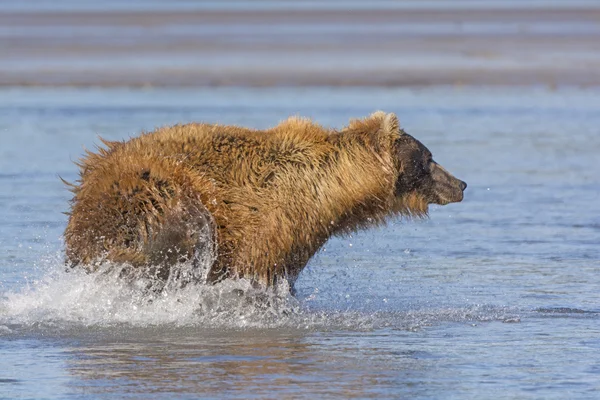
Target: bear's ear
(379,128)
(386,122)
(390,124)
(378,115)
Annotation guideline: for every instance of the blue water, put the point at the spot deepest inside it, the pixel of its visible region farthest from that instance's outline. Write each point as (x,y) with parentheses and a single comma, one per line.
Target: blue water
(495,297)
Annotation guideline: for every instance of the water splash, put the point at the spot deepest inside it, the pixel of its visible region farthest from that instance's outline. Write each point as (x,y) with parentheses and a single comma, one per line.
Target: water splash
(104,298)
(62,300)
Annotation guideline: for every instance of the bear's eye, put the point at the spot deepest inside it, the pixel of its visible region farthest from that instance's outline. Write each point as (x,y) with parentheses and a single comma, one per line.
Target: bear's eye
(427,166)
(428,162)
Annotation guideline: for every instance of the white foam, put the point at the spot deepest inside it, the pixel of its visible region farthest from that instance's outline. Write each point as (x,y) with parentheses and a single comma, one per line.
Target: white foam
(63,299)
(105,298)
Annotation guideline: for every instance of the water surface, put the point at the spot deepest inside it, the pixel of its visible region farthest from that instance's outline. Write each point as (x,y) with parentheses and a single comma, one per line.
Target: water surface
(495,297)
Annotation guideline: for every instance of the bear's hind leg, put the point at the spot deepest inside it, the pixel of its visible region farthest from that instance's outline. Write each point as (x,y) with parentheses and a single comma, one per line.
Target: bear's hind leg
(146,216)
(184,246)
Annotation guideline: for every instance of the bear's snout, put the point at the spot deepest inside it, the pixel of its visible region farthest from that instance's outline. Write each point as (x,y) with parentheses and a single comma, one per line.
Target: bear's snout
(446,188)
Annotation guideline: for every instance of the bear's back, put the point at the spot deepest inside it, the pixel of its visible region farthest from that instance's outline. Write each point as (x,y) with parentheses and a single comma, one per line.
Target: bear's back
(232,154)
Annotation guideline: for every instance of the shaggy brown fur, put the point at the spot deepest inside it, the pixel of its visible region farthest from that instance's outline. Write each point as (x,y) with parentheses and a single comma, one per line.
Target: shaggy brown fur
(269,199)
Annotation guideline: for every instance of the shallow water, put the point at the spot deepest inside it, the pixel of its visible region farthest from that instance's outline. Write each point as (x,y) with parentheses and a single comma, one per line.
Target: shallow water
(300,43)
(495,297)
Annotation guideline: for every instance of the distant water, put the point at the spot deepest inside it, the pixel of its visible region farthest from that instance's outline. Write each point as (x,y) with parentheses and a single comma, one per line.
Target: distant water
(299,43)
(496,297)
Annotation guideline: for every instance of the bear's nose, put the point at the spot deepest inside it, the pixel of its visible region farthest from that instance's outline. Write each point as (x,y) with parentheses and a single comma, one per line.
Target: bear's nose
(463,185)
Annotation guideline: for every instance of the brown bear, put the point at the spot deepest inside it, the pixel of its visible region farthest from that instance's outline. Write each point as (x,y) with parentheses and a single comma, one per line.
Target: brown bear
(261,202)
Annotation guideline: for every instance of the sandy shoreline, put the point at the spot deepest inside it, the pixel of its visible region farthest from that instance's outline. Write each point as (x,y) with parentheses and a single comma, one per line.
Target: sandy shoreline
(381,47)
(404,78)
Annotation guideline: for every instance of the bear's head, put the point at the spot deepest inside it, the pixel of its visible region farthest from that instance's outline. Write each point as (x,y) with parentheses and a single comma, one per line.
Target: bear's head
(420,180)
(419,174)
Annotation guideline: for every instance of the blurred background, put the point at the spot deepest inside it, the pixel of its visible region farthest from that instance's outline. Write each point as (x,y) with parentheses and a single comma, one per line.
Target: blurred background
(300,43)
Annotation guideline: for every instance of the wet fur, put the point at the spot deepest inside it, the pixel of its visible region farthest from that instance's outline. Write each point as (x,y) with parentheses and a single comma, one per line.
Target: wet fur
(270,199)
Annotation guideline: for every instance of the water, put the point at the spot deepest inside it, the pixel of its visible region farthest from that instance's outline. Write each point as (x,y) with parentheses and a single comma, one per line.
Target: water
(495,297)
(311,43)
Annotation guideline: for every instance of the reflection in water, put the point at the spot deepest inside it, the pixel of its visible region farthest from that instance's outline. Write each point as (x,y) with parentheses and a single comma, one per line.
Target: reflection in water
(256,363)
